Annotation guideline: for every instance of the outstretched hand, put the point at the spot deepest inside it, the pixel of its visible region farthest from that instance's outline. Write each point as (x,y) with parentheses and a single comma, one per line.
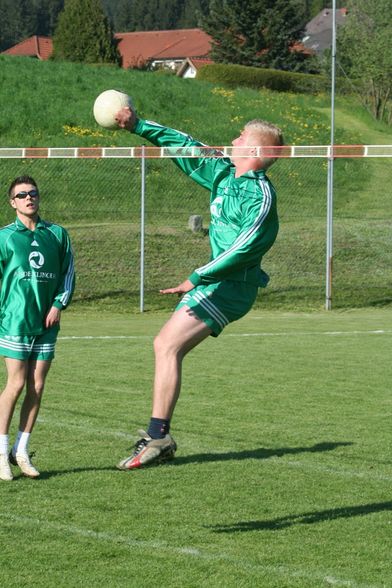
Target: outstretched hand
(180,289)
(126,118)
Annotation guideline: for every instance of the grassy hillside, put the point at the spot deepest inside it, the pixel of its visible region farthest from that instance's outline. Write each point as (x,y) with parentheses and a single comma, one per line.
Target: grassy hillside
(50,104)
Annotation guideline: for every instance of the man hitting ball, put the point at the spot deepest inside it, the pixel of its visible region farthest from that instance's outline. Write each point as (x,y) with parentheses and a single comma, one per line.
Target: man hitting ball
(243,227)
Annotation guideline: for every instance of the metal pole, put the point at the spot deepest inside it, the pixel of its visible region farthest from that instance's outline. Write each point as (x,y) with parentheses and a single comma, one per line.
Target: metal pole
(142,227)
(329,254)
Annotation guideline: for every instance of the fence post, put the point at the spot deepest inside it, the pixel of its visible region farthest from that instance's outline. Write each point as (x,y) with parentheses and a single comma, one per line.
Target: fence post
(142,226)
(328,292)
(329,252)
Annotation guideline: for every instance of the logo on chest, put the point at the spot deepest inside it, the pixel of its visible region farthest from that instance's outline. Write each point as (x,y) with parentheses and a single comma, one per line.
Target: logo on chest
(216,206)
(36,259)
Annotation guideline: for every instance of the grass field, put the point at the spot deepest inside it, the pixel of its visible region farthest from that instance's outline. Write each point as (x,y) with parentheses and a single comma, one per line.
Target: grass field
(282,477)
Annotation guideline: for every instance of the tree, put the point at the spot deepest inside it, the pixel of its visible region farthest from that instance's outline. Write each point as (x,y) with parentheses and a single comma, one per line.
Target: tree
(122,18)
(84,34)
(364,51)
(191,13)
(144,15)
(151,15)
(257,32)
(21,19)
(18,22)
(47,13)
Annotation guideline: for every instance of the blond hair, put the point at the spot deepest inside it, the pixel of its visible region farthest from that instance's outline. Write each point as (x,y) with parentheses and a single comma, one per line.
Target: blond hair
(270,136)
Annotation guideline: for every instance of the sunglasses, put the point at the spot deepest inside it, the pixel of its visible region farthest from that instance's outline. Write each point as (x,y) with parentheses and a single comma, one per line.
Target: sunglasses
(31,193)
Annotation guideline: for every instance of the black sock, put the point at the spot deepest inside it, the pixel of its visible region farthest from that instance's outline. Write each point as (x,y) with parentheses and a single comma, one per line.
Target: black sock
(158,428)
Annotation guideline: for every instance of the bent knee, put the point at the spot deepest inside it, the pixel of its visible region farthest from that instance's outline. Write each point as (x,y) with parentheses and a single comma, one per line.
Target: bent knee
(159,344)
(166,346)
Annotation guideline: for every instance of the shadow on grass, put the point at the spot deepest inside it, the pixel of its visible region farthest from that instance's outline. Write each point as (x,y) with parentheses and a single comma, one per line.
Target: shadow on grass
(306,518)
(53,473)
(261,453)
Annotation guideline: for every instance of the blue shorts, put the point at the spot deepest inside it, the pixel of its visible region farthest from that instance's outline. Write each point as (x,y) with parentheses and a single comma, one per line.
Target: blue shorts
(220,303)
(25,347)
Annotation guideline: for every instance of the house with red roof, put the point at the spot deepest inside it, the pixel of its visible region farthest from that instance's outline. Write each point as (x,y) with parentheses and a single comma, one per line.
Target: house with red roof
(36,46)
(190,66)
(155,49)
(141,49)
(182,50)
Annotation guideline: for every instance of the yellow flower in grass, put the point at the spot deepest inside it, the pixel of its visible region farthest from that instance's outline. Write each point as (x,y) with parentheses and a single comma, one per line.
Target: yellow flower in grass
(80,131)
(223,92)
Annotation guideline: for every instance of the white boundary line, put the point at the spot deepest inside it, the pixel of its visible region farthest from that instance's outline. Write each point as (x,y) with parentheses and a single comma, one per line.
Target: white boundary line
(108,337)
(129,541)
(86,429)
(305,465)
(261,334)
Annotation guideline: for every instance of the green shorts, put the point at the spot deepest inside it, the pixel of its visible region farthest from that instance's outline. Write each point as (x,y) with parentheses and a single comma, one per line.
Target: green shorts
(25,347)
(220,303)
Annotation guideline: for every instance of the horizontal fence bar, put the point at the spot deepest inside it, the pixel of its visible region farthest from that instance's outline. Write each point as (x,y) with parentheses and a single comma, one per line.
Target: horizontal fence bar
(287,151)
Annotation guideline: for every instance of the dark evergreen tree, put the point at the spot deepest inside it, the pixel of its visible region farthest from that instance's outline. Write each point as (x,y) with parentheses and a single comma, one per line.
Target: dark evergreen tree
(84,34)
(123,17)
(153,15)
(191,13)
(258,33)
(18,21)
(47,13)
(110,7)
(285,26)
(236,30)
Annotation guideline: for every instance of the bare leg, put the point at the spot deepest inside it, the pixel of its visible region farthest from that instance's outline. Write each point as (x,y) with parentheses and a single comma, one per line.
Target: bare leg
(16,378)
(36,376)
(182,332)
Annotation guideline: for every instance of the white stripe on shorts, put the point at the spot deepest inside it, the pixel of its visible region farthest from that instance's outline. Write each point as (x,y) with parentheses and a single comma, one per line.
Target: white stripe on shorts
(212,310)
(43,347)
(13,345)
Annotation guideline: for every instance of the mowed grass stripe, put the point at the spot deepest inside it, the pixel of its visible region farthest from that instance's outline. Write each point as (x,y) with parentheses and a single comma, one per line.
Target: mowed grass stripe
(187,445)
(281,478)
(261,334)
(189,552)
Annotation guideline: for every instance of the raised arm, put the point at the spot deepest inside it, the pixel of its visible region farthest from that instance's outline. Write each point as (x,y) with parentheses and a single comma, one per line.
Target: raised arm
(200,167)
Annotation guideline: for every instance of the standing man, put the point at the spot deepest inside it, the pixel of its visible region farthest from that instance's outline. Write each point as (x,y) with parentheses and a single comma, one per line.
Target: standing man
(243,227)
(37,283)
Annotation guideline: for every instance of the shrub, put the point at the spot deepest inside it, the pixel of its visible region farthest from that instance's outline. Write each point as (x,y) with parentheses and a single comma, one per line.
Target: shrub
(254,77)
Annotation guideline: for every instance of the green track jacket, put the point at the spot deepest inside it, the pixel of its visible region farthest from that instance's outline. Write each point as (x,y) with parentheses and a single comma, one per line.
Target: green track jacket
(244,220)
(36,272)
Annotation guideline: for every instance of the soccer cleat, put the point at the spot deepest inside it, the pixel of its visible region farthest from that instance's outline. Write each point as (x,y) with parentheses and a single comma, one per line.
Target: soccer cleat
(22,460)
(5,470)
(148,451)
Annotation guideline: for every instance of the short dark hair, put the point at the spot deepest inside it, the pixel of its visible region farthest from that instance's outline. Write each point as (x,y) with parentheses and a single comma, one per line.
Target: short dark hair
(21,180)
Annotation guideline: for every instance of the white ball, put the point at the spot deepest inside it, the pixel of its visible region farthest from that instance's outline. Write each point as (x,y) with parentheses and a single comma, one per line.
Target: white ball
(107,105)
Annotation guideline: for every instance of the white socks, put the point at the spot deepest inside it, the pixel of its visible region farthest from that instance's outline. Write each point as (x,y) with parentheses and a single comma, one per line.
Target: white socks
(4,444)
(21,443)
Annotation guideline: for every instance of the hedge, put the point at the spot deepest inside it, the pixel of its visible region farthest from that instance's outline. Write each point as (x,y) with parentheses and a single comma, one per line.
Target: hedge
(255,77)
